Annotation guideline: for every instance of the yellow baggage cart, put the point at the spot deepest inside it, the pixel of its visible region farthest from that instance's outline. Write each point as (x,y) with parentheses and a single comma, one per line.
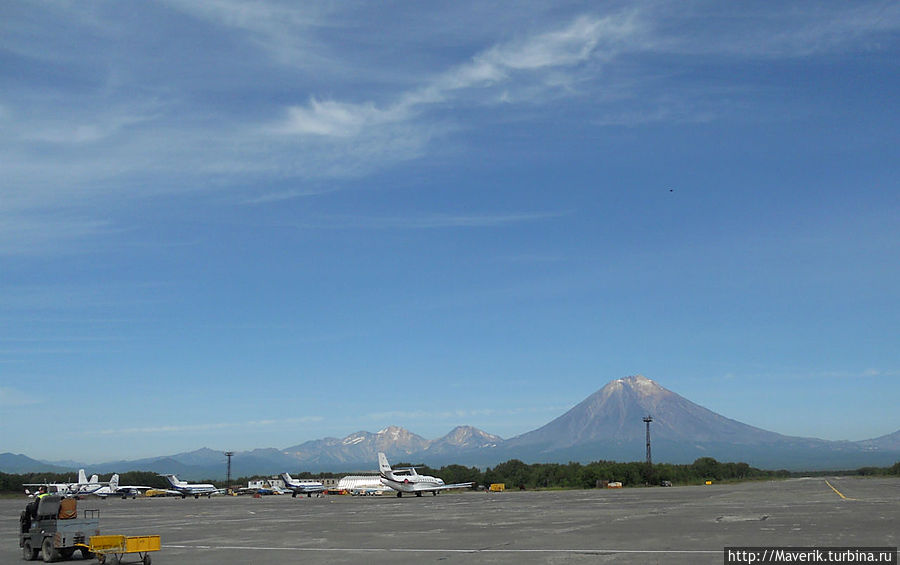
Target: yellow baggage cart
(111,549)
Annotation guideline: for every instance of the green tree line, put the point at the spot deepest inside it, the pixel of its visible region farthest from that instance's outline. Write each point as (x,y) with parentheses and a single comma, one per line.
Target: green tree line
(517,474)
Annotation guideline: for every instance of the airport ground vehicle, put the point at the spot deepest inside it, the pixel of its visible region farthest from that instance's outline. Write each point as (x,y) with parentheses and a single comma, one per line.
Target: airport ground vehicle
(53,530)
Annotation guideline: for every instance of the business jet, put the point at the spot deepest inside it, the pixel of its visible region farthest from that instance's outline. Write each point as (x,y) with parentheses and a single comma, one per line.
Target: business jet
(184,489)
(297,486)
(408,480)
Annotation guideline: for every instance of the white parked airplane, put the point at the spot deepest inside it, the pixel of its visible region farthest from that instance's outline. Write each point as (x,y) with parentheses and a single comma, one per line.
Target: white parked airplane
(299,486)
(115,489)
(195,490)
(81,488)
(407,480)
(87,486)
(83,480)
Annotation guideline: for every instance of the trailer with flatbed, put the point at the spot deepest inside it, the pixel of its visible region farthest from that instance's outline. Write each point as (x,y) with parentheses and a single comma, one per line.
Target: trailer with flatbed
(111,550)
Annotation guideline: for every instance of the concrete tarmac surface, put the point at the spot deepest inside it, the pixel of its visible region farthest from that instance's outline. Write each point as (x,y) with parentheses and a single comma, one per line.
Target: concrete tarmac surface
(638,525)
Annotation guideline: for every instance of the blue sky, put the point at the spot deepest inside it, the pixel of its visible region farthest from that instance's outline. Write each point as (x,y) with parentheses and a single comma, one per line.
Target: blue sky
(242,225)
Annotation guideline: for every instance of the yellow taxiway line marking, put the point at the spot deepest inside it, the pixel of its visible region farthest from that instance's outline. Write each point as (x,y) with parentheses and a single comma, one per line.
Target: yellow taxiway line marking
(839,493)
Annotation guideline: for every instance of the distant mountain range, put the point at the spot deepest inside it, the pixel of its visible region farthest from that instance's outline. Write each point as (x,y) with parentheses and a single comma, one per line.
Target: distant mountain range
(606,425)
(18,463)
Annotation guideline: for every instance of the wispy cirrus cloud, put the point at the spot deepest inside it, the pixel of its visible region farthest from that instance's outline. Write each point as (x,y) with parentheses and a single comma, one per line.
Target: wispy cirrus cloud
(754,31)
(869,373)
(108,128)
(428,221)
(499,66)
(527,69)
(28,234)
(459,414)
(567,46)
(429,414)
(80,128)
(284,30)
(337,119)
(14,397)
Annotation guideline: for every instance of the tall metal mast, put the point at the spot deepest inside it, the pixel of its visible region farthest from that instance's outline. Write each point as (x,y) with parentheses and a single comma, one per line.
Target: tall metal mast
(647,420)
(228,454)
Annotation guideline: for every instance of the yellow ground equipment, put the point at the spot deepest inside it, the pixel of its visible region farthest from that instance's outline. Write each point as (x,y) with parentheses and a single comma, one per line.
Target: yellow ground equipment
(111,549)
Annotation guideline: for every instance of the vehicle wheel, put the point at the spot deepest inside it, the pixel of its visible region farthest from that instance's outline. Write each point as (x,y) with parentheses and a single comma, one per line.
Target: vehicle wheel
(86,554)
(101,559)
(28,553)
(48,552)
(146,559)
(399,494)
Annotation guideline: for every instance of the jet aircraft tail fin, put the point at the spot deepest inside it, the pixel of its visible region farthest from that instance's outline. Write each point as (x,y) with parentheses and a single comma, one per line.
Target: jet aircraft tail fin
(384,467)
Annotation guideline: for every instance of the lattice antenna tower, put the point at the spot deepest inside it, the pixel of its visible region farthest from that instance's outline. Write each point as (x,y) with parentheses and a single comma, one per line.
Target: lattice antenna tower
(228,454)
(647,420)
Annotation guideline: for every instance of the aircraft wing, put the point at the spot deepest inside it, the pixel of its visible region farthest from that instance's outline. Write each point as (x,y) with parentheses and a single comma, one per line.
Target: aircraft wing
(133,487)
(446,487)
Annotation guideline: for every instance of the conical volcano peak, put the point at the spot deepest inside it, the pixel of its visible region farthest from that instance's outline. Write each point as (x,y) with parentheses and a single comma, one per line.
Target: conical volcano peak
(638,387)
(615,413)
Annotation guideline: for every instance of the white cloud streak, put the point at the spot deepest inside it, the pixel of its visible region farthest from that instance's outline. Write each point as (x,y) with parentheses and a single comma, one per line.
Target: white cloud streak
(459,414)
(429,221)
(282,29)
(13,397)
(499,65)
(29,234)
